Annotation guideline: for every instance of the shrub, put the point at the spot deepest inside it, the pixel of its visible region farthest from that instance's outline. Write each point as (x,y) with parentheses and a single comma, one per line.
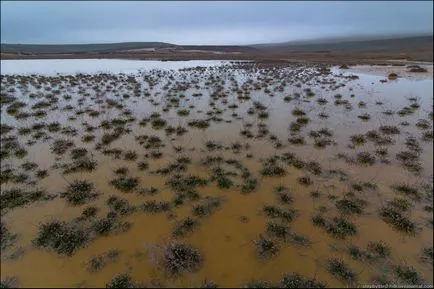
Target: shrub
(79,192)
(180,258)
(61,237)
(339,269)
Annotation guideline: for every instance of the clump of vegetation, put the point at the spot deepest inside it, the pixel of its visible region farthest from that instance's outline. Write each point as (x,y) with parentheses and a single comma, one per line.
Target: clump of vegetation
(130,156)
(15,197)
(338,227)
(283,195)
(185,226)
(303,120)
(258,284)
(143,165)
(61,237)
(375,137)
(305,181)
(40,174)
(89,212)
(119,205)
(272,169)
(183,112)
(81,164)
(201,124)
(96,263)
(181,258)
(428,136)
(408,110)
(364,116)
(397,220)
(381,152)
(105,225)
(340,270)
(29,166)
(151,191)
(392,76)
(60,146)
(410,161)
(314,168)
(361,186)
(296,140)
(122,281)
(400,204)
(266,248)
(387,129)
(416,68)
(125,184)
(158,123)
(298,112)
(356,253)
(79,192)
(121,171)
(365,158)
(87,138)
(295,280)
(4,129)
(6,238)
(207,207)
(287,214)
(153,206)
(358,139)
(185,184)
(249,185)
(299,240)
(351,206)
(278,230)
(407,190)
(408,274)
(423,124)
(78,153)
(380,249)
(427,255)
(223,181)
(9,282)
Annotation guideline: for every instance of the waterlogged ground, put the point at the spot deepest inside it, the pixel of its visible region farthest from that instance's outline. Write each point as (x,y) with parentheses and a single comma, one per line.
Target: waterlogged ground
(230,175)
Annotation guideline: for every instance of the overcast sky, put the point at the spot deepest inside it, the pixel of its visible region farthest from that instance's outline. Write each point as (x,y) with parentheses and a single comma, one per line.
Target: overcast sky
(206,22)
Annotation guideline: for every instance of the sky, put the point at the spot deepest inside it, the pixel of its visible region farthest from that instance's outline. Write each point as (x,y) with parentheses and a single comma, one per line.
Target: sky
(207,22)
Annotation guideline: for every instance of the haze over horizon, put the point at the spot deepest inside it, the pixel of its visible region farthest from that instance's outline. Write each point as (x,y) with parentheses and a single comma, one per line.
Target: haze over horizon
(208,23)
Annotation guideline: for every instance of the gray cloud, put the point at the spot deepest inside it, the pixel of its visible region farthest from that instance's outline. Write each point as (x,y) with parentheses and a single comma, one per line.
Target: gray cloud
(207,22)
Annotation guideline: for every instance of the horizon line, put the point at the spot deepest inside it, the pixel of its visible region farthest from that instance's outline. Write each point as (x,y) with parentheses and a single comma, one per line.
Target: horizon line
(336,38)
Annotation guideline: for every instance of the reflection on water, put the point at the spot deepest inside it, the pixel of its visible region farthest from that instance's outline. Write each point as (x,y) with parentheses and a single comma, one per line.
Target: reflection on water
(235,101)
(92,66)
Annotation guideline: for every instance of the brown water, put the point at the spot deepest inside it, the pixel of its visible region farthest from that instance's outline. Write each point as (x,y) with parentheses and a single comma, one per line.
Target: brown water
(226,243)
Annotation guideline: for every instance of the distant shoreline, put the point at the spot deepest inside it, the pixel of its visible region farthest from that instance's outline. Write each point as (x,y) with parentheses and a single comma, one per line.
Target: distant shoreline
(309,57)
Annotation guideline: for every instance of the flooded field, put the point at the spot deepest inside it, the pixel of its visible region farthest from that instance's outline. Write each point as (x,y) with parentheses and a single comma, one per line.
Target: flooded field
(205,174)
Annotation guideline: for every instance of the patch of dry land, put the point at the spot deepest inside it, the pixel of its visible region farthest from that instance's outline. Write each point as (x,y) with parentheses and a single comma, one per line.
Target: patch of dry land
(411,71)
(237,174)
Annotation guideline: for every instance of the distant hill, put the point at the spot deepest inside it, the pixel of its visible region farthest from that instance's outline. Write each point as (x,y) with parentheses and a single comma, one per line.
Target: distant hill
(349,44)
(418,48)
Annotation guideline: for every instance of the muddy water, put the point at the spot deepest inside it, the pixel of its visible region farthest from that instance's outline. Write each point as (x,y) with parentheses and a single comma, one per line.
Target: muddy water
(226,237)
